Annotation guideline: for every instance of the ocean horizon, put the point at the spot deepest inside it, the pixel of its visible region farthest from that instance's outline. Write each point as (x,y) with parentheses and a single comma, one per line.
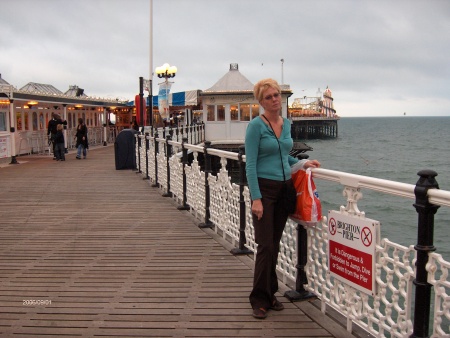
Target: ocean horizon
(395,148)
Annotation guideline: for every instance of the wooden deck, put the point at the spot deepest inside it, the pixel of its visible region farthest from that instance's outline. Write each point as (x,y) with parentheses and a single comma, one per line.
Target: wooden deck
(88,251)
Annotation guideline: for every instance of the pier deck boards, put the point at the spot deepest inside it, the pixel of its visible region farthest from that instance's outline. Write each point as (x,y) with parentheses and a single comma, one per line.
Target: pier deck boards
(104,254)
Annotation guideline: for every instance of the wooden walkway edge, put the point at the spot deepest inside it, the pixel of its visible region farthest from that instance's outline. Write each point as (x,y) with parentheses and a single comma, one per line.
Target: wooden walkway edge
(90,251)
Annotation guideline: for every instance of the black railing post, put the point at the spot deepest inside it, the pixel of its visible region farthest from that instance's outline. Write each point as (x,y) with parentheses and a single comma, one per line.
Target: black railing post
(424,246)
(156,159)
(185,206)
(177,133)
(300,293)
(207,223)
(168,154)
(242,249)
(203,131)
(147,147)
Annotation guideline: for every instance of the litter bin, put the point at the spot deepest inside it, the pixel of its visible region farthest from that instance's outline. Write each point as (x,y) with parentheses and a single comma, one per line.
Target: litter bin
(125,151)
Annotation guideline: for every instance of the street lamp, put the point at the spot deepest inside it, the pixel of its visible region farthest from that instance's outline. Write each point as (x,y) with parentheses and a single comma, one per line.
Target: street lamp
(166,72)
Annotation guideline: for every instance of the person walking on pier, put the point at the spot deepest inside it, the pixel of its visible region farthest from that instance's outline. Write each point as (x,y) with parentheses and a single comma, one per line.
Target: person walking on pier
(82,140)
(267,141)
(59,143)
(52,130)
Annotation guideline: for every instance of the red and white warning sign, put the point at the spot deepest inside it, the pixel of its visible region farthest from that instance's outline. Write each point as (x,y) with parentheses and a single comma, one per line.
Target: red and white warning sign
(351,250)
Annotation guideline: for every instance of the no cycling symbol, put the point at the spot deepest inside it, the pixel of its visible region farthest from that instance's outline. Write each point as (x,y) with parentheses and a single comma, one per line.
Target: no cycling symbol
(332,226)
(366,236)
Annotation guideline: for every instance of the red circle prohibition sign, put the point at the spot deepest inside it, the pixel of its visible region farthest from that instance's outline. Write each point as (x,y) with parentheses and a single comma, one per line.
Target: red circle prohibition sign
(332,226)
(366,236)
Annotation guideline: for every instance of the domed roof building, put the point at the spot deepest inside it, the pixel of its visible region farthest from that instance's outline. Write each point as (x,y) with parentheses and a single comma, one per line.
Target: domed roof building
(229,105)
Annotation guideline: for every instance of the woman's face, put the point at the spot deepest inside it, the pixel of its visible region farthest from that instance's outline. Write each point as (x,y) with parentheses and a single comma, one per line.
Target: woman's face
(271,100)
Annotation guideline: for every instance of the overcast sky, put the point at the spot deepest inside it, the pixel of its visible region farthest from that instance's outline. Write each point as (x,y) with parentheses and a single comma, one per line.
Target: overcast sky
(378,57)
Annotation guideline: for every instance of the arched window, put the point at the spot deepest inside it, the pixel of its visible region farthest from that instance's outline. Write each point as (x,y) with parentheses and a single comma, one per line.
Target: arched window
(35,121)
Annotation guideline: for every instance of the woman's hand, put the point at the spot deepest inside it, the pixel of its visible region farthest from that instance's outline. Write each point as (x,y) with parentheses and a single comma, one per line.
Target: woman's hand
(257,208)
(312,164)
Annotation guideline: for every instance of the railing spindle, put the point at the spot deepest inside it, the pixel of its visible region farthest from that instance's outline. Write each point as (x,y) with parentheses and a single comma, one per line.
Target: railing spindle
(241,249)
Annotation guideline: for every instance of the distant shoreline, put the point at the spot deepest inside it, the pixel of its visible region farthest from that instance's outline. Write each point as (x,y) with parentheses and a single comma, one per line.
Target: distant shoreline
(392,116)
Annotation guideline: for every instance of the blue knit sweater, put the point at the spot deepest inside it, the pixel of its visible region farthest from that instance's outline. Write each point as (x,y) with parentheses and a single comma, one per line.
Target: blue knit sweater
(262,154)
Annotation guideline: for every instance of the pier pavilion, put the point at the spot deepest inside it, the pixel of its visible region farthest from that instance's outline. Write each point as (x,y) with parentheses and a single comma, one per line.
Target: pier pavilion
(314,117)
(229,105)
(25,112)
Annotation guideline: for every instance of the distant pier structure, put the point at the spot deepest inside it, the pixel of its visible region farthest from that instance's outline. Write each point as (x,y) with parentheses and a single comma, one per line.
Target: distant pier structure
(314,117)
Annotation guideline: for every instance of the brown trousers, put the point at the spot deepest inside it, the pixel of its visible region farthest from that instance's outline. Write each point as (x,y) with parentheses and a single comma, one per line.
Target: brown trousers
(268,233)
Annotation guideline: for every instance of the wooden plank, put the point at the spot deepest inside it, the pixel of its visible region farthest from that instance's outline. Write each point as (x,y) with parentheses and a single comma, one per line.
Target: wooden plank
(115,258)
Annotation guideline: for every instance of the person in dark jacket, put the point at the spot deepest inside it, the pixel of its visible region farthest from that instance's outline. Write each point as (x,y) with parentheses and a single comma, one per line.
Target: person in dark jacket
(59,143)
(52,130)
(82,140)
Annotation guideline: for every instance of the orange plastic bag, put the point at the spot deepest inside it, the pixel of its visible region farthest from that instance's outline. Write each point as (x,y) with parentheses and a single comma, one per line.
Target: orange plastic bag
(309,209)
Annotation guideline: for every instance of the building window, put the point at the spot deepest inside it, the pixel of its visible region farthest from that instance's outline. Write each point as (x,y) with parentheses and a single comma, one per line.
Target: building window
(210,113)
(41,121)
(244,109)
(220,112)
(25,115)
(234,113)
(35,121)
(19,121)
(255,110)
(2,121)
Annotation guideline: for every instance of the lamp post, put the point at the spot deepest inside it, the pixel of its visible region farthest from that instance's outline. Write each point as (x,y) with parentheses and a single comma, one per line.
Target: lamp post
(166,72)
(282,72)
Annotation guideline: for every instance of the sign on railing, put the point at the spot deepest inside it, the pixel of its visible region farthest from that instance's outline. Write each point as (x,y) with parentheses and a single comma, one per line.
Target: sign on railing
(351,250)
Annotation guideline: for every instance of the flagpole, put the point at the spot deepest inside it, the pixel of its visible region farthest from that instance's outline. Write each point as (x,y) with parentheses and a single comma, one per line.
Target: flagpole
(150,89)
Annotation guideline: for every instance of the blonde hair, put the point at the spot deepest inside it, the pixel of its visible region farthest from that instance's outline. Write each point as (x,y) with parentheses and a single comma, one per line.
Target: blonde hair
(262,85)
(59,127)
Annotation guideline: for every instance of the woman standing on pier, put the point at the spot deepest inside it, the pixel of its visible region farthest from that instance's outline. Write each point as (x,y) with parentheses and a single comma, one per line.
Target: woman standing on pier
(81,137)
(268,142)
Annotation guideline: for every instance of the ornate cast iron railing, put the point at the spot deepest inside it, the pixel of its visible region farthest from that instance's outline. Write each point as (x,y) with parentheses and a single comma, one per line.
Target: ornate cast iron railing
(409,280)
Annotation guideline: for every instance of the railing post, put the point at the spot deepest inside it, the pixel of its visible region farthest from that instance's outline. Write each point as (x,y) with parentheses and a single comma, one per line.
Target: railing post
(168,153)
(424,246)
(203,131)
(156,159)
(300,293)
(241,250)
(185,206)
(207,223)
(139,154)
(147,146)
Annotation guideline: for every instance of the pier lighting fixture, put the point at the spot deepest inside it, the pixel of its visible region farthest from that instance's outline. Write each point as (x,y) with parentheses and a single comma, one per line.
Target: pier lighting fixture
(166,71)
(32,103)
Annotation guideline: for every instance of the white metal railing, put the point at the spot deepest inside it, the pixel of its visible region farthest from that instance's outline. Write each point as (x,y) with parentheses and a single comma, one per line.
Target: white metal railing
(386,313)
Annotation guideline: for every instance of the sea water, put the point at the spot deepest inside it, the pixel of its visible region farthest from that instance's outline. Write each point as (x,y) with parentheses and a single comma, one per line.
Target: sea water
(396,149)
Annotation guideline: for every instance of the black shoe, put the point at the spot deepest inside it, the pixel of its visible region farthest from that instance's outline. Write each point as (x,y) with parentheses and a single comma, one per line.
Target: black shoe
(260,313)
(78,158)
(277,305)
